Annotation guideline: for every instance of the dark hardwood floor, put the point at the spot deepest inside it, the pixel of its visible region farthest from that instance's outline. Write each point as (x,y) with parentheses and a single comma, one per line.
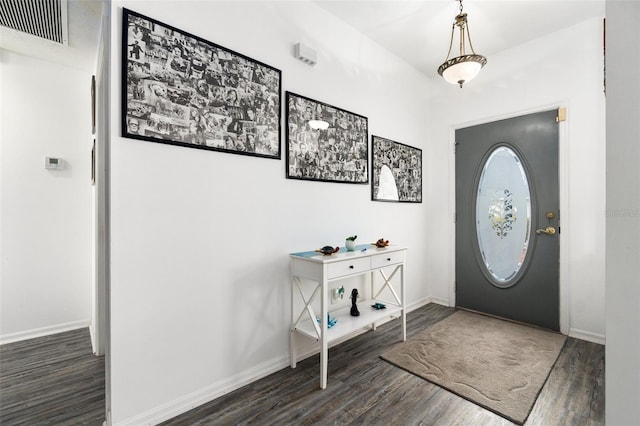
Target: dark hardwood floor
(52,380)
(362,389)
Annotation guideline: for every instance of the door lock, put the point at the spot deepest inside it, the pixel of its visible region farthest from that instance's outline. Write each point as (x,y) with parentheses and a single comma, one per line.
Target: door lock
(549,230)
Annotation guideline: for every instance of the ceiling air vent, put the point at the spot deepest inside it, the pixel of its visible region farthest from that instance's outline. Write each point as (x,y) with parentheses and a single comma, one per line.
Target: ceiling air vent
(41,18)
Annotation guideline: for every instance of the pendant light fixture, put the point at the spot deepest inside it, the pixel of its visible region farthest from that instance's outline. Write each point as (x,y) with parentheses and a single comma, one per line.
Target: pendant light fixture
(465,67)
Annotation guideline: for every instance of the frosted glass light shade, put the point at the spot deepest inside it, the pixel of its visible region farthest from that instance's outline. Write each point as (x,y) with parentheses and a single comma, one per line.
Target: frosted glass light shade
(462,69)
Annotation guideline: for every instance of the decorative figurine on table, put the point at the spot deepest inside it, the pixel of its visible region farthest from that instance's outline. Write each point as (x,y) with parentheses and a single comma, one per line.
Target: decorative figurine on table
(350,243)
(381,243)
(330,321)
(354,309)
(327,250)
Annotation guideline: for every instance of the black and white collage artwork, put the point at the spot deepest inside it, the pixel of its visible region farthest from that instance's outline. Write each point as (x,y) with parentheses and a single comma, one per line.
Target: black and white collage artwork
(397,171)
(336,153)
(182,90)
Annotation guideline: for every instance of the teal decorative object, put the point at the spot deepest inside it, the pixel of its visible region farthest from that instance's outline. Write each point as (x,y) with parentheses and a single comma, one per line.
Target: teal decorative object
(330,321)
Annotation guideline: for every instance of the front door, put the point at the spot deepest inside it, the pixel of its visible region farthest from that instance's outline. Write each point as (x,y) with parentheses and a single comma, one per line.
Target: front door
(507,216)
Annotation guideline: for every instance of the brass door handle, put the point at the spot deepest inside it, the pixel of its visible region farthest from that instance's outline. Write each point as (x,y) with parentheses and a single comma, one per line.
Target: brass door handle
(549,230)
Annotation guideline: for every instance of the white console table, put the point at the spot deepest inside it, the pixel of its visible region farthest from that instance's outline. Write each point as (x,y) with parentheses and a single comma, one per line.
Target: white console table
(314,272)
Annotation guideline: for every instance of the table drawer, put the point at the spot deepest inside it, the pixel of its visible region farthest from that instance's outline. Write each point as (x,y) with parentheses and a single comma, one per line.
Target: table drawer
(384,259)
(347,267)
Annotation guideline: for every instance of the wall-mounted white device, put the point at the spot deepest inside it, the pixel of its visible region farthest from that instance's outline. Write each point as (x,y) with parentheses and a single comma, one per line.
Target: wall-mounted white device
(53,163)
(306,54)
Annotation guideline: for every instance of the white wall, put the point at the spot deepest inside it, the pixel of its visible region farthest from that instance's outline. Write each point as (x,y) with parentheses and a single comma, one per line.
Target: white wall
(623,214)
(561,69)
(45,224)
(200,290)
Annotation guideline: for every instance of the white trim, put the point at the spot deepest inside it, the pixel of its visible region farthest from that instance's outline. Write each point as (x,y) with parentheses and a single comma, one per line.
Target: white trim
(453,214)
(564,230)
(439,301)
(563,177)
(419,304)
(64,22)
(587,335)
(101,210)
(43,331)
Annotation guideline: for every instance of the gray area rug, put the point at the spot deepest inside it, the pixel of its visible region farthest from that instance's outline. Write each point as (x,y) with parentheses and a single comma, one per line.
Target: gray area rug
(496,364)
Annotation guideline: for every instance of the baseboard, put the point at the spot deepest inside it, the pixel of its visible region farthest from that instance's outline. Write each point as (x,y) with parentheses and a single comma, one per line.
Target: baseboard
(43,331)
(439,301)
(418,304)
(92,336)
(587,335)
(202,396)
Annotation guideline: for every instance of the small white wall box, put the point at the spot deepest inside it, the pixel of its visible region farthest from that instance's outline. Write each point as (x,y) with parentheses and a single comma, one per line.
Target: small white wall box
(53,163)
(306,54)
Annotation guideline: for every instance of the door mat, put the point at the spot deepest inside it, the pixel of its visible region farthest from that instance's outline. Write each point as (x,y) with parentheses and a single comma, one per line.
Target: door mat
(497,364)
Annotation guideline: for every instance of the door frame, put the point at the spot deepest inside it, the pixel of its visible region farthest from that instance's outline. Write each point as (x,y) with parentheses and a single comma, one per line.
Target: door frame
(563,165)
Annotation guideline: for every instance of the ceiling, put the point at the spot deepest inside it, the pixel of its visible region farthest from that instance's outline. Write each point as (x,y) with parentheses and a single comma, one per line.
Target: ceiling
(417,31)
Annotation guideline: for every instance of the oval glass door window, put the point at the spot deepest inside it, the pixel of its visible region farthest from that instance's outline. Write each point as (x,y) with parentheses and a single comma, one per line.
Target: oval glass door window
(503,216)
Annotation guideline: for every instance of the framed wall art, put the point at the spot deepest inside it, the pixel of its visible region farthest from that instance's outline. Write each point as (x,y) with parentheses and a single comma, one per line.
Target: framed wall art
(396,171)
(335,152)
(180,89)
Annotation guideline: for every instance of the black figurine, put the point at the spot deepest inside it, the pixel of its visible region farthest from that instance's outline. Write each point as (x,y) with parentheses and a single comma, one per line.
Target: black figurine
(354,308)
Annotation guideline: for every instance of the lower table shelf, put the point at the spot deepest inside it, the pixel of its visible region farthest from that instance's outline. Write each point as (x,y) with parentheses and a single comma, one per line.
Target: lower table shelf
(347,324)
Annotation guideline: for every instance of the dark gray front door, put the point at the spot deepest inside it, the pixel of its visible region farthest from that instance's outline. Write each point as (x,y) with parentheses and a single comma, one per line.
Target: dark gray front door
(507,216)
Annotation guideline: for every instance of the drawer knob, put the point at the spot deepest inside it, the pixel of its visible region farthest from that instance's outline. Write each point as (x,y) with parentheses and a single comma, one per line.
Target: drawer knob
(388,259)
(350,266)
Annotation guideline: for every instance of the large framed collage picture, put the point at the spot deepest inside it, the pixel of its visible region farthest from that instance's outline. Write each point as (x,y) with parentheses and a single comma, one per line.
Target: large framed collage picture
(180,89)
(338,153)
(396,170)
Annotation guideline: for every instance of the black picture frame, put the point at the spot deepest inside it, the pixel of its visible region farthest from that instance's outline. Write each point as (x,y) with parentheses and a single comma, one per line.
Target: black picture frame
(180,89)
(339,153)
(399,167)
